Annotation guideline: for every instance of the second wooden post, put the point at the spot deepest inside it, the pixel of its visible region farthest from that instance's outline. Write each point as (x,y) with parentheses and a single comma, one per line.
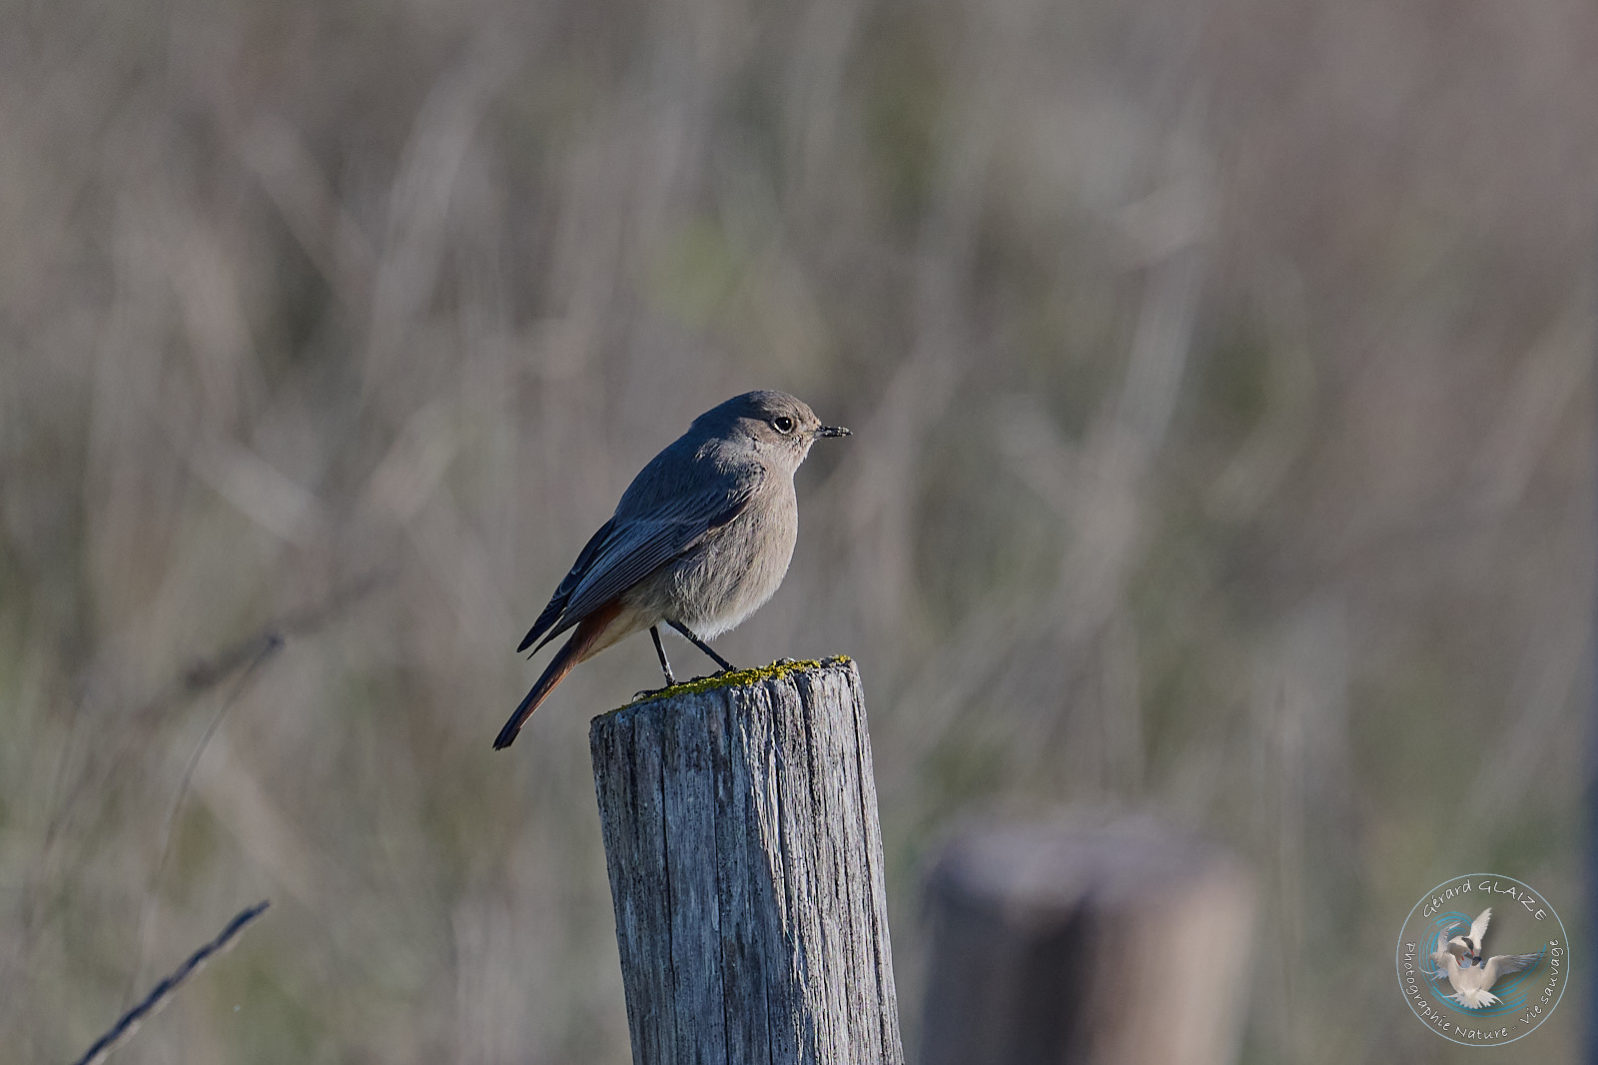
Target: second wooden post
(741,835)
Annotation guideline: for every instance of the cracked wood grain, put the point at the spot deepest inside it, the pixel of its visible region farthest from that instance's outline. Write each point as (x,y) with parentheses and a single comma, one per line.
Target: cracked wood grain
(745,859)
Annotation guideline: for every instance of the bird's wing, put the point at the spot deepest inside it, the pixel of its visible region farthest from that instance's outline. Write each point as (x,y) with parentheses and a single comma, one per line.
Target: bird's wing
(1442,955)
(1444,945)
(1448,932)
(1501,965)
(1478,927)
(568,585)
(642,543)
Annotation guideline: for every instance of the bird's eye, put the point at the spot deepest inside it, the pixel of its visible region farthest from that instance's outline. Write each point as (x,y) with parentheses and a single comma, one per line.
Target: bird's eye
(782,423)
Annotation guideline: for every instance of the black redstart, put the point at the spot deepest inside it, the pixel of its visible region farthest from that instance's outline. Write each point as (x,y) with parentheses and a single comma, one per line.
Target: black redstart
(700,539)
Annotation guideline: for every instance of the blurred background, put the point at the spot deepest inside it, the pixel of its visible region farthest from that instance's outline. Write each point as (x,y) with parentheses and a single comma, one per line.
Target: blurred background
(1221,382)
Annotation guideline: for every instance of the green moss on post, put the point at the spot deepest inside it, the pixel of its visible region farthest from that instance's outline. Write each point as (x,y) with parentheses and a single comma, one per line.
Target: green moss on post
(775,671)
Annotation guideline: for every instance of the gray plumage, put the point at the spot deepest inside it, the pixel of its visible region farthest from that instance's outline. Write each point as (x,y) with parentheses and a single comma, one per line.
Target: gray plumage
(701,538)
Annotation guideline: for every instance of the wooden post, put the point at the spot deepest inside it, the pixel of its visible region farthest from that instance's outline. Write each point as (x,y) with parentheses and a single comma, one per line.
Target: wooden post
(740,825)
(1120,943)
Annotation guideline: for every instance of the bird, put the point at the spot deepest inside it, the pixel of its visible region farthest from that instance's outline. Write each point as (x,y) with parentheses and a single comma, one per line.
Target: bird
(1471,976)
(1470,945)
(700,540)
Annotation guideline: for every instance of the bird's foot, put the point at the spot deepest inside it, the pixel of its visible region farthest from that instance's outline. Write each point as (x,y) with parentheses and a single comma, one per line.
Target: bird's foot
(650,693)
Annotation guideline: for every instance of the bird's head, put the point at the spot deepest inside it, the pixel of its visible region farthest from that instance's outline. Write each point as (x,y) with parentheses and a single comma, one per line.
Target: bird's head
(1463,948)
(774,423)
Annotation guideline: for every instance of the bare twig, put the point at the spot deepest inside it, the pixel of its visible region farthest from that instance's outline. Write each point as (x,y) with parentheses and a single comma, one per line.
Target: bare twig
(164,990)
(196,680)
(206,673)
(202,675)
(267,646)
(243,658)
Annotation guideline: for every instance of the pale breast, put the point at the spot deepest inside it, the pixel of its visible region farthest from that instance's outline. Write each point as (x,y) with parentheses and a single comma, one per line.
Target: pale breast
(737,567)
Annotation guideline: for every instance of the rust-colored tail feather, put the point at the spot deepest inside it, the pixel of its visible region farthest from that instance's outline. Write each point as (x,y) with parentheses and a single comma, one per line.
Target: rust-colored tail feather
(572,652)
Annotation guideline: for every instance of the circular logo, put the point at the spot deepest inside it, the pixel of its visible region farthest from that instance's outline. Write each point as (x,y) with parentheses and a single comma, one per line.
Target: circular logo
(1483,959)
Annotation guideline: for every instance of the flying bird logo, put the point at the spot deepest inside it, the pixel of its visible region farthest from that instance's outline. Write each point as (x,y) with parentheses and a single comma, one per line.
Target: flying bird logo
(1469,972)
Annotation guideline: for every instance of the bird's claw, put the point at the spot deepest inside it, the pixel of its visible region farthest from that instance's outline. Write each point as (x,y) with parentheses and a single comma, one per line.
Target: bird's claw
(673,682)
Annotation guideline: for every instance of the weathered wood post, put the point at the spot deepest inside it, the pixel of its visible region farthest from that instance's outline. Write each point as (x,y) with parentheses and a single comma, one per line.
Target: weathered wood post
(1120,943)
(740,825)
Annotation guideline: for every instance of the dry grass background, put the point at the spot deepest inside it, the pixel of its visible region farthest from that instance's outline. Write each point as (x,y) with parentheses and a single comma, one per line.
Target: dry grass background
(1221,383)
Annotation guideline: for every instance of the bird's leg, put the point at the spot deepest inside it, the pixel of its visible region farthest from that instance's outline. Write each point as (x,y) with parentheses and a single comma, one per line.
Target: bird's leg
(701,644)
(665,666)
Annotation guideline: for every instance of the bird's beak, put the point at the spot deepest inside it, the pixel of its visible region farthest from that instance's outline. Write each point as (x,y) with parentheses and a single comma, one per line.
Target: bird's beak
(833,430)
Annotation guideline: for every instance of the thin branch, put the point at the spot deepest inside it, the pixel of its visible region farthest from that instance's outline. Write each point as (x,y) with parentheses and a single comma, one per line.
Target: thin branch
(196,680)
(244,659)
(204,674)
(164,990)
(267,647)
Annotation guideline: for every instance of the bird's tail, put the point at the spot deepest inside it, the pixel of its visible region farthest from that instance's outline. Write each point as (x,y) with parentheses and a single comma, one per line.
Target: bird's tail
(572,652)
(1475,999)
